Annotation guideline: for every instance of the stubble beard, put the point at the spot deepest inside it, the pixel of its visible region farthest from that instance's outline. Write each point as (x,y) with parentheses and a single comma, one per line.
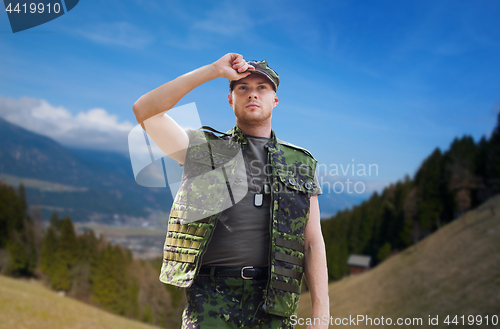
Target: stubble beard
(251,120)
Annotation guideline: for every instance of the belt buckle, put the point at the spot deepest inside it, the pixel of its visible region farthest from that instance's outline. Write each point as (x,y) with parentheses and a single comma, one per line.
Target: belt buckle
(243,269)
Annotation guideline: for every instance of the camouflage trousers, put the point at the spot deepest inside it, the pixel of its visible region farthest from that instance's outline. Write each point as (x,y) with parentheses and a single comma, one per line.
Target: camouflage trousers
(228,302)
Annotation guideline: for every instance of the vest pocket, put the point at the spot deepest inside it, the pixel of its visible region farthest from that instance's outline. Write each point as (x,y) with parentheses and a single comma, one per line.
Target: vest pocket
(292,197)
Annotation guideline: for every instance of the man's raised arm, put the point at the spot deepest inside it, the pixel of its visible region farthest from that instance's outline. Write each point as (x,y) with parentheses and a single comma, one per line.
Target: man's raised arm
(150,108)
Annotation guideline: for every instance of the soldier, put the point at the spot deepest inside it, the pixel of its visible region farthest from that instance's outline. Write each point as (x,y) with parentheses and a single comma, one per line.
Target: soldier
(241,255)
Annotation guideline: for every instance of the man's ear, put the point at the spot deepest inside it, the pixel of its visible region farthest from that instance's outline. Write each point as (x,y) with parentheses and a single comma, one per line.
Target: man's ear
(276,100)
(230,99)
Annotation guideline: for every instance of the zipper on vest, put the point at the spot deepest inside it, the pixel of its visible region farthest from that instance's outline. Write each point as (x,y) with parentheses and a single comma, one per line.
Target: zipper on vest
(265,292)
(271,221)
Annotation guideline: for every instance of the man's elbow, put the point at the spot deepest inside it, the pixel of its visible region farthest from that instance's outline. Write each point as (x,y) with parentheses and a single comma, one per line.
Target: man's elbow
(314,244)
(137,108)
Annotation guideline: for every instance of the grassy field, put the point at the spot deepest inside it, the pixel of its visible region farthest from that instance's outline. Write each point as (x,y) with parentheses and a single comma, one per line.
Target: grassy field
(455,271)
(29,305)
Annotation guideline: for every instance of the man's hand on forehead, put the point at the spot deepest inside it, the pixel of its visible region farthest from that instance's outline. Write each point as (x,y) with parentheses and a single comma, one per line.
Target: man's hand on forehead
(232,66)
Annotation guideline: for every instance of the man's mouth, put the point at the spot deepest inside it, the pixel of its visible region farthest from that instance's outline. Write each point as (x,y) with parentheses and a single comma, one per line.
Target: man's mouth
(252,106)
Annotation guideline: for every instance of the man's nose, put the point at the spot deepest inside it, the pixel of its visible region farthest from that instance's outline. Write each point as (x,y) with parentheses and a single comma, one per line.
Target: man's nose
(253,93)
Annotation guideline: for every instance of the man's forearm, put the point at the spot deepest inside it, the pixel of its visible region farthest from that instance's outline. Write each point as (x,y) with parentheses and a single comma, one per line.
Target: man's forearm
(317,280)
(167,95)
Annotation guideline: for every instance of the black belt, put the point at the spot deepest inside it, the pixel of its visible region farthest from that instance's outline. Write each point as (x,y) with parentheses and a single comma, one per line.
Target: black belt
(247,272)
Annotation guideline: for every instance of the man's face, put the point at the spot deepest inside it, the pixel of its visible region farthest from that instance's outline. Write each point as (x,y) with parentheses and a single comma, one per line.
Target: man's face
(253,99)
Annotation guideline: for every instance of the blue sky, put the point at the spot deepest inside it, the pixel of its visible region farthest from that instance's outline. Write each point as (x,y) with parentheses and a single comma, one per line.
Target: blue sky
(380,82)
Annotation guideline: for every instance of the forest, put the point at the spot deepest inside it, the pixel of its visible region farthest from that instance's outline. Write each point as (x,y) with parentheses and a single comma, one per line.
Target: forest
(83,266)
(447,184)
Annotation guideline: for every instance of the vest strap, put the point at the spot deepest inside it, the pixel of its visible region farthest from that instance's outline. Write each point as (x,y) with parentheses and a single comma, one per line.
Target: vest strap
(178,213)
(183,215)
(287,272)
(211,129)
(185,228)
(290,259)
(183,243)
(289,244)
(178,257)
(286,287)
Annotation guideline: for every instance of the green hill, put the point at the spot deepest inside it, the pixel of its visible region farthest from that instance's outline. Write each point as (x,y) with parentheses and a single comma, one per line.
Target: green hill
(29,305)
(455,271)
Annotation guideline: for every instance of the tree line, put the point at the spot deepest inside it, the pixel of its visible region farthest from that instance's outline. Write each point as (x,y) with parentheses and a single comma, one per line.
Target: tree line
(83,266)
(447,184)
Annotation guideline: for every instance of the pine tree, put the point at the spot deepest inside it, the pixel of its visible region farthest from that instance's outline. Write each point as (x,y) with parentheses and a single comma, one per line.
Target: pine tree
(460,167)
(59,252)
(16,232)
(112,287)
(429,181)
(494,159)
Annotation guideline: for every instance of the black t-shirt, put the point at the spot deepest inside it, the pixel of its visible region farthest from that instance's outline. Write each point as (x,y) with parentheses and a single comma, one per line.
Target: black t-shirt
(241,237)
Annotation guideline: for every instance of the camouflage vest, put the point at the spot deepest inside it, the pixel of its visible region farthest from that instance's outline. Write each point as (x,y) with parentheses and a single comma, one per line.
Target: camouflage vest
(190,227)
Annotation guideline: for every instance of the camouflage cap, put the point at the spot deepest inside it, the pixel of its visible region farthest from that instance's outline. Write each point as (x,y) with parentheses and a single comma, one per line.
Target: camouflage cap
(261,67)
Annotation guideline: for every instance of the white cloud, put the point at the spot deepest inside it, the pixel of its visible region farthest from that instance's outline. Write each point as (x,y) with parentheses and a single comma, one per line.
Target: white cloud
(95,128)
(101,120)
(117,33)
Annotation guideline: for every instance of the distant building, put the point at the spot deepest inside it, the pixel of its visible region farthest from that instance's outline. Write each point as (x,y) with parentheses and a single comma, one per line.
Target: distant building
(359,264)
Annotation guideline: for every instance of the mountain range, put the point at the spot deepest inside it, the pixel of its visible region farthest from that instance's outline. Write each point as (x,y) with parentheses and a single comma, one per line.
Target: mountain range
(84,184)
(92,185)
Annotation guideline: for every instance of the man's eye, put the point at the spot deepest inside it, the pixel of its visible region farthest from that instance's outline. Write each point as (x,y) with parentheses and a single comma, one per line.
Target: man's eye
(263,87)
(242,87)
